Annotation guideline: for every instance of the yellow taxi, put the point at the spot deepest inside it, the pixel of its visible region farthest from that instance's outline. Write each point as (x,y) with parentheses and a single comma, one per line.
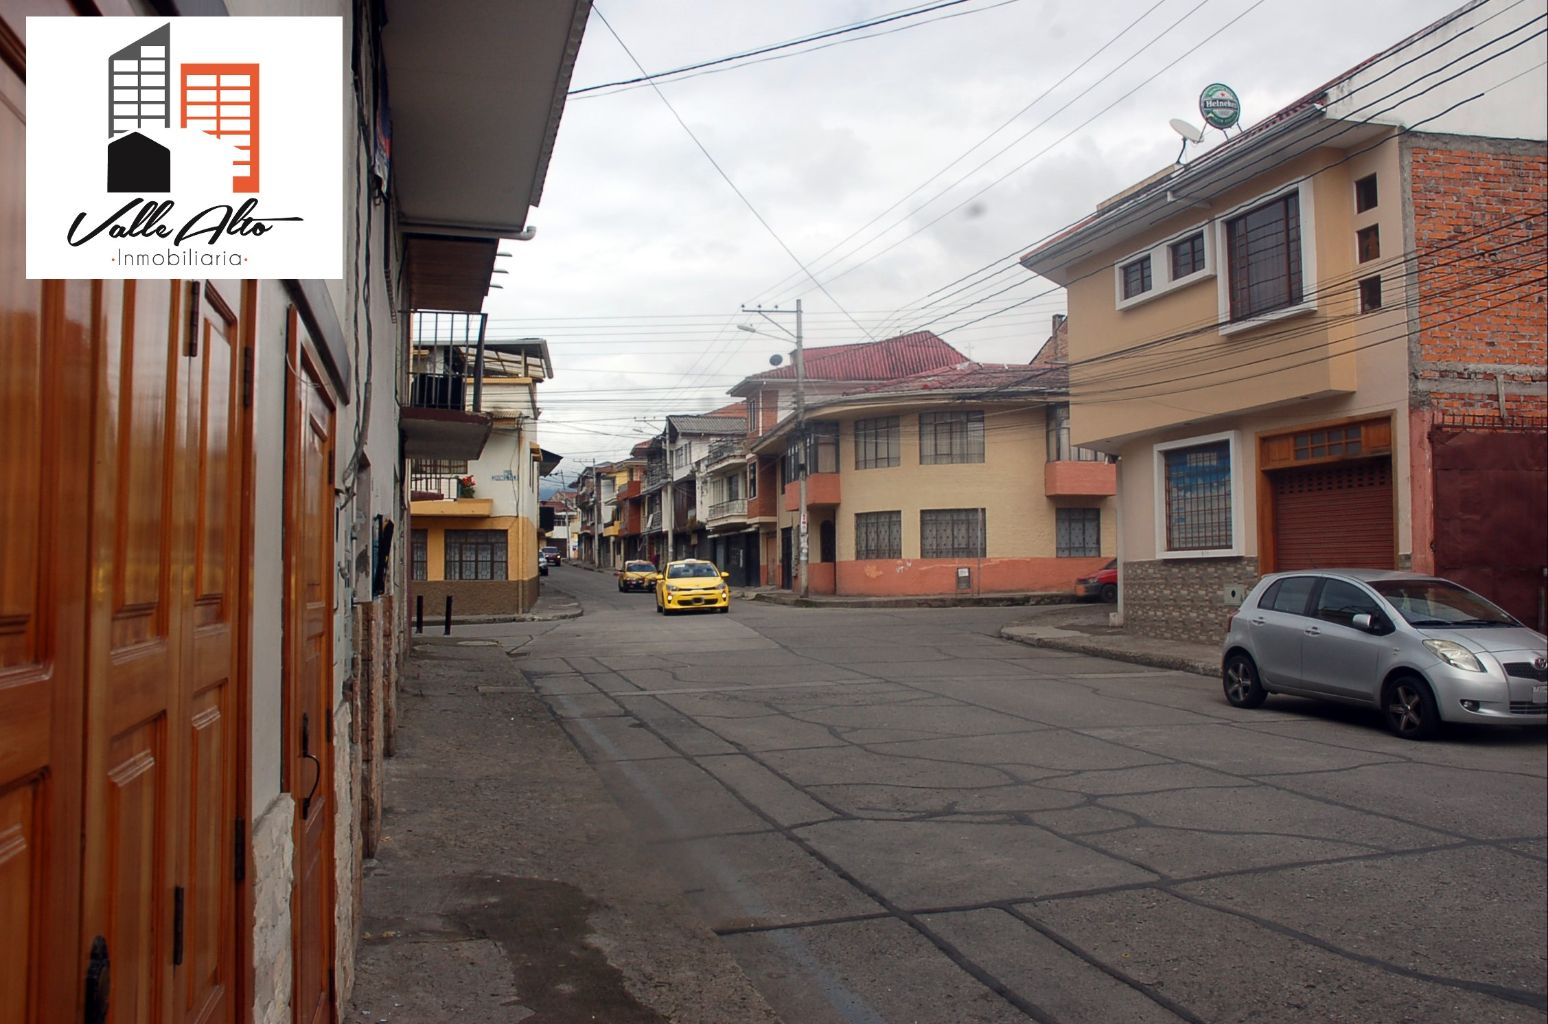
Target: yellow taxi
(692,583)
(636,575)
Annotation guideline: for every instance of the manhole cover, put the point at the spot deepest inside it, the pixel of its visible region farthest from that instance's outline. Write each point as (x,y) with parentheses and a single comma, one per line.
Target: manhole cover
(478,643)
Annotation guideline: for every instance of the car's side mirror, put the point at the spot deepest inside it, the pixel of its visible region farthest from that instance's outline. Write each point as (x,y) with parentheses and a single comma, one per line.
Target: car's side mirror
(1361,622)
(725,575)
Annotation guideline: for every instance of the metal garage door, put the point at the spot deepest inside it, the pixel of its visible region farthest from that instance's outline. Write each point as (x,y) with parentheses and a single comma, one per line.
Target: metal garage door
(1334,516)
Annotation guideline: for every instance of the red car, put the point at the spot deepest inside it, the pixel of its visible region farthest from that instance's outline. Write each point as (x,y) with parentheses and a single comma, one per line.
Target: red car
(1102,584)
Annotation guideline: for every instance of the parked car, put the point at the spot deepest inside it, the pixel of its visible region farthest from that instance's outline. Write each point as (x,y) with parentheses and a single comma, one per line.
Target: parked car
(1423,650)
(550,555)
(692,583)
(637,576)
(1102,584)
(542,564)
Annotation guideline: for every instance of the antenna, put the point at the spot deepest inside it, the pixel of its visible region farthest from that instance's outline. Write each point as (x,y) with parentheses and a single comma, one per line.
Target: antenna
(1188,133)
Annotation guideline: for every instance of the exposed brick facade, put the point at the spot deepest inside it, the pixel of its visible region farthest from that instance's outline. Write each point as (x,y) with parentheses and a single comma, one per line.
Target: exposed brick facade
(474,597)
(1482,314)
(1180,599)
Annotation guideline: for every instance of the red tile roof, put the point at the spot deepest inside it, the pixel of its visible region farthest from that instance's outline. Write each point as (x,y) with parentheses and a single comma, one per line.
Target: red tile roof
(737,409)
(976,377)
(901,356)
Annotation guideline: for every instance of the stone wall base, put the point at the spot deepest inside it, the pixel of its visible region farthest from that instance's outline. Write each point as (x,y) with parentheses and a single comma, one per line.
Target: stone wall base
(474,597)
(347,871)
(1181,599)
(274,856)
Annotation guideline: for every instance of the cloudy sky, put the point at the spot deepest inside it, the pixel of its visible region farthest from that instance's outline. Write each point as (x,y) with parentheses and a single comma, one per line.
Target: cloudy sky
(953,138)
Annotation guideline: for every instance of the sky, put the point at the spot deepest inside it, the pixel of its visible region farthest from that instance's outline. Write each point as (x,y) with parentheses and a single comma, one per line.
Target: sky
(644,253)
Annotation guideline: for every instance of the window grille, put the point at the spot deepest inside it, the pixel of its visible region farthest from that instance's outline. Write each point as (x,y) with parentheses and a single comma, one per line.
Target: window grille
(879,535)
(419,554)
(1265,257)
(946,437)
(1198,497)
(476,554)
(1136,277)
(876,442)
(1079,532)
(951,533)
(1187,256)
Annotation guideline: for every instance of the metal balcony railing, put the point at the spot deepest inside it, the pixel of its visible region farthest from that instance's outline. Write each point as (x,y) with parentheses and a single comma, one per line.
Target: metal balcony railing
(736,507)
(447,368)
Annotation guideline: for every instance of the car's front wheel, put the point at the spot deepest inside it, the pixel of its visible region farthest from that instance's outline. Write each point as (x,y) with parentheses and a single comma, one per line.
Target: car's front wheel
(1109,593)
(1410,709)
(1243,689)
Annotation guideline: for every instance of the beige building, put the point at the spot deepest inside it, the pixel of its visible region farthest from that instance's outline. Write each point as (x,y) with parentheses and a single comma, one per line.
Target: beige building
(1281,337)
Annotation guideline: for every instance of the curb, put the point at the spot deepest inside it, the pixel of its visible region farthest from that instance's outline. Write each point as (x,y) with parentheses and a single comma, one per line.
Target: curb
(986,601)
(1172,662)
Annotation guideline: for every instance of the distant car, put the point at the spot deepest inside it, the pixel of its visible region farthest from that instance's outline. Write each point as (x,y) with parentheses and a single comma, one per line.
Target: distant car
(542,564)
(550,555)
(692,583)
(637,576)
(1102,584)
(1424,650)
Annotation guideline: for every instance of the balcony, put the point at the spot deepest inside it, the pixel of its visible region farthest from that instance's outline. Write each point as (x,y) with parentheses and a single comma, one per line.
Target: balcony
(444,417)
(822,490)
(1080,479)
(724,514)
(723,451)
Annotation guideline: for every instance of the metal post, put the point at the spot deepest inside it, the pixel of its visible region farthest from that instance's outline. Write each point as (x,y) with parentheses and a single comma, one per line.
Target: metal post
(804,449)
(447,630)
(419,613)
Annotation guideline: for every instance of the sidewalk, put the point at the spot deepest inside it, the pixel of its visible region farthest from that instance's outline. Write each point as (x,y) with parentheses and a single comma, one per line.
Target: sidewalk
(508,885)
(1085,631)
(786,597)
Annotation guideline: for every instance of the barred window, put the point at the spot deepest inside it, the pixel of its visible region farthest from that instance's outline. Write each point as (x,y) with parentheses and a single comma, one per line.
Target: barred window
(951,437)
(419,554)
(951,533)
(1198,497)
(475,554)
(879,535)
(1079,532)
(876,443)
(1264,248)
(1136,277)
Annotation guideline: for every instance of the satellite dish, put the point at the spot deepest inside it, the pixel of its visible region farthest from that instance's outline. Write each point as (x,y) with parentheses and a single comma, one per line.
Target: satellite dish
(1186,130)
(776,359)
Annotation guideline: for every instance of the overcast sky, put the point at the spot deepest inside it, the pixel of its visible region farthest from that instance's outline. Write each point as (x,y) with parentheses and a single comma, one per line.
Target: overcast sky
(643,253)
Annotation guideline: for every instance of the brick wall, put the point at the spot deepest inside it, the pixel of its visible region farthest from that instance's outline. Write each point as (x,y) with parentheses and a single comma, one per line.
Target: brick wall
(1481,316)
(473,597)
(1179,599)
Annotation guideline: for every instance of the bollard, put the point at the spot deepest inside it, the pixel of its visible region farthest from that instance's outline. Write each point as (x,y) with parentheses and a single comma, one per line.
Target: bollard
(447,631)
(419,613)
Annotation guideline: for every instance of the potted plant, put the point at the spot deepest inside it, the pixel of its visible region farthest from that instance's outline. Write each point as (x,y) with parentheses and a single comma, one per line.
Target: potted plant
(465,486)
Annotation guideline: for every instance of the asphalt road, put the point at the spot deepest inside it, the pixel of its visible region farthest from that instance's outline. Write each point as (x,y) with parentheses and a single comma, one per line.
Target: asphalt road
(896,816)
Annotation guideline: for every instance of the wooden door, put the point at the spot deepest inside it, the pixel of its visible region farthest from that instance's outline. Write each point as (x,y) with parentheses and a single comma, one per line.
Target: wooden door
(309,674)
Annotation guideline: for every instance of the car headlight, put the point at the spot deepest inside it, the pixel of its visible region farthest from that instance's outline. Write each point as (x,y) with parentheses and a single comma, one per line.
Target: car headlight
(1455,655)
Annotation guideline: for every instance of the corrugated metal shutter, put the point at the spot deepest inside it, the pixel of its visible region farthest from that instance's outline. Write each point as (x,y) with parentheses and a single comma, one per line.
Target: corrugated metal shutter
(1334,516)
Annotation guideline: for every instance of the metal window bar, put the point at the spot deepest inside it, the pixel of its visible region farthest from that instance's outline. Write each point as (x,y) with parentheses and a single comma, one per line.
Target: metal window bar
(951,533)
(1079,532)
(1198,498)
(476,554)
(447,369)
(419,546)
(879,535)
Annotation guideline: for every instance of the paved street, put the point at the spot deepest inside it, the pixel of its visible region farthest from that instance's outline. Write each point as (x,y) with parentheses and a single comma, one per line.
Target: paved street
(898,816)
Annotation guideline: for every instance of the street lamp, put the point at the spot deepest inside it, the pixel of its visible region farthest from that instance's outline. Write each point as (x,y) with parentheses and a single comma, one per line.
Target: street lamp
(803,558)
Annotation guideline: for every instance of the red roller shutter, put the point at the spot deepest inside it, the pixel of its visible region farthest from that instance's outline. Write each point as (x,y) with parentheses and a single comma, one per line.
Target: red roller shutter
(1334,516)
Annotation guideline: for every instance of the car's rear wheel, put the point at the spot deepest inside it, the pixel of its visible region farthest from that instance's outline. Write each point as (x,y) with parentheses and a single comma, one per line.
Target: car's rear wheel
(1243,689)
(1410,709)
(1109,592)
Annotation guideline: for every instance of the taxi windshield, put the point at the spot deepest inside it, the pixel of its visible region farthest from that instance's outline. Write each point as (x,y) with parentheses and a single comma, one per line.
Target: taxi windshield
(692,570)
(639,567)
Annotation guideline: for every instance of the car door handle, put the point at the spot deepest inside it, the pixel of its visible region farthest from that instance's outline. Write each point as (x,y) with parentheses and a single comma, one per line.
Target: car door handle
(1258,621)
(1313,631)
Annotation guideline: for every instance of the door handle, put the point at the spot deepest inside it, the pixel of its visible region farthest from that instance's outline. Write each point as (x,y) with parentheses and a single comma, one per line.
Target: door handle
(1258,621)
(98,982)
(306,753)
(1313,631)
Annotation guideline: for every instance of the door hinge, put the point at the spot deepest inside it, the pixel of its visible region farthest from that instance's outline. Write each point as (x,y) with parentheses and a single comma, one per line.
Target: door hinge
(239,851)
(247,376)
(193,318)
(177,926)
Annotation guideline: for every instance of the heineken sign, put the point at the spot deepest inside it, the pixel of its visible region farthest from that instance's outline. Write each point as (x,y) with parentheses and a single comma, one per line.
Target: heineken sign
(1219,106)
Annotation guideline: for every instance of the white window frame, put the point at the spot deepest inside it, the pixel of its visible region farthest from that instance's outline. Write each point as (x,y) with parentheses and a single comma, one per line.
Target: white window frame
(1159,489)
(1161,280)
(1307,213)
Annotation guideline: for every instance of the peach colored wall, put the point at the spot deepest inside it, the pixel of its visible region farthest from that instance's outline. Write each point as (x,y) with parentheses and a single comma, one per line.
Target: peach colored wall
(822,577)
(821,489)
(924,576)
(1080,479)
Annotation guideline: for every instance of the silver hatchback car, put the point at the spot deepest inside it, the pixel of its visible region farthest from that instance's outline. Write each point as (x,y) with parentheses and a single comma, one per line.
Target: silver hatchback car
(1421,649)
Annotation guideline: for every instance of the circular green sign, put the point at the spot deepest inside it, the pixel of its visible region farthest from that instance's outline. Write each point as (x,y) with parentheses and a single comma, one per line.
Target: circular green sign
(1219,106)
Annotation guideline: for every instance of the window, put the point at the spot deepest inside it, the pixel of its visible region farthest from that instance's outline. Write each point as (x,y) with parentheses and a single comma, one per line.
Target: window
(475,554)
(1197,486)
(1079,532)
(1368,243)
(1319,444)
(951,437)
(419,554)
(1136,277)
(1365,193)
(1370,293)
(752,480)
(1056,421)
(876,443)
(1288,595)
(822,447)
(879,535)
(1187,256)
(951,533)
(1340,602)
(1264,254)
(733,486)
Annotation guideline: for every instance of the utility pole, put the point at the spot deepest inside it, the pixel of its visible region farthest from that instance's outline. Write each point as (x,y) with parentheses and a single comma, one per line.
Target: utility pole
(803,557)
